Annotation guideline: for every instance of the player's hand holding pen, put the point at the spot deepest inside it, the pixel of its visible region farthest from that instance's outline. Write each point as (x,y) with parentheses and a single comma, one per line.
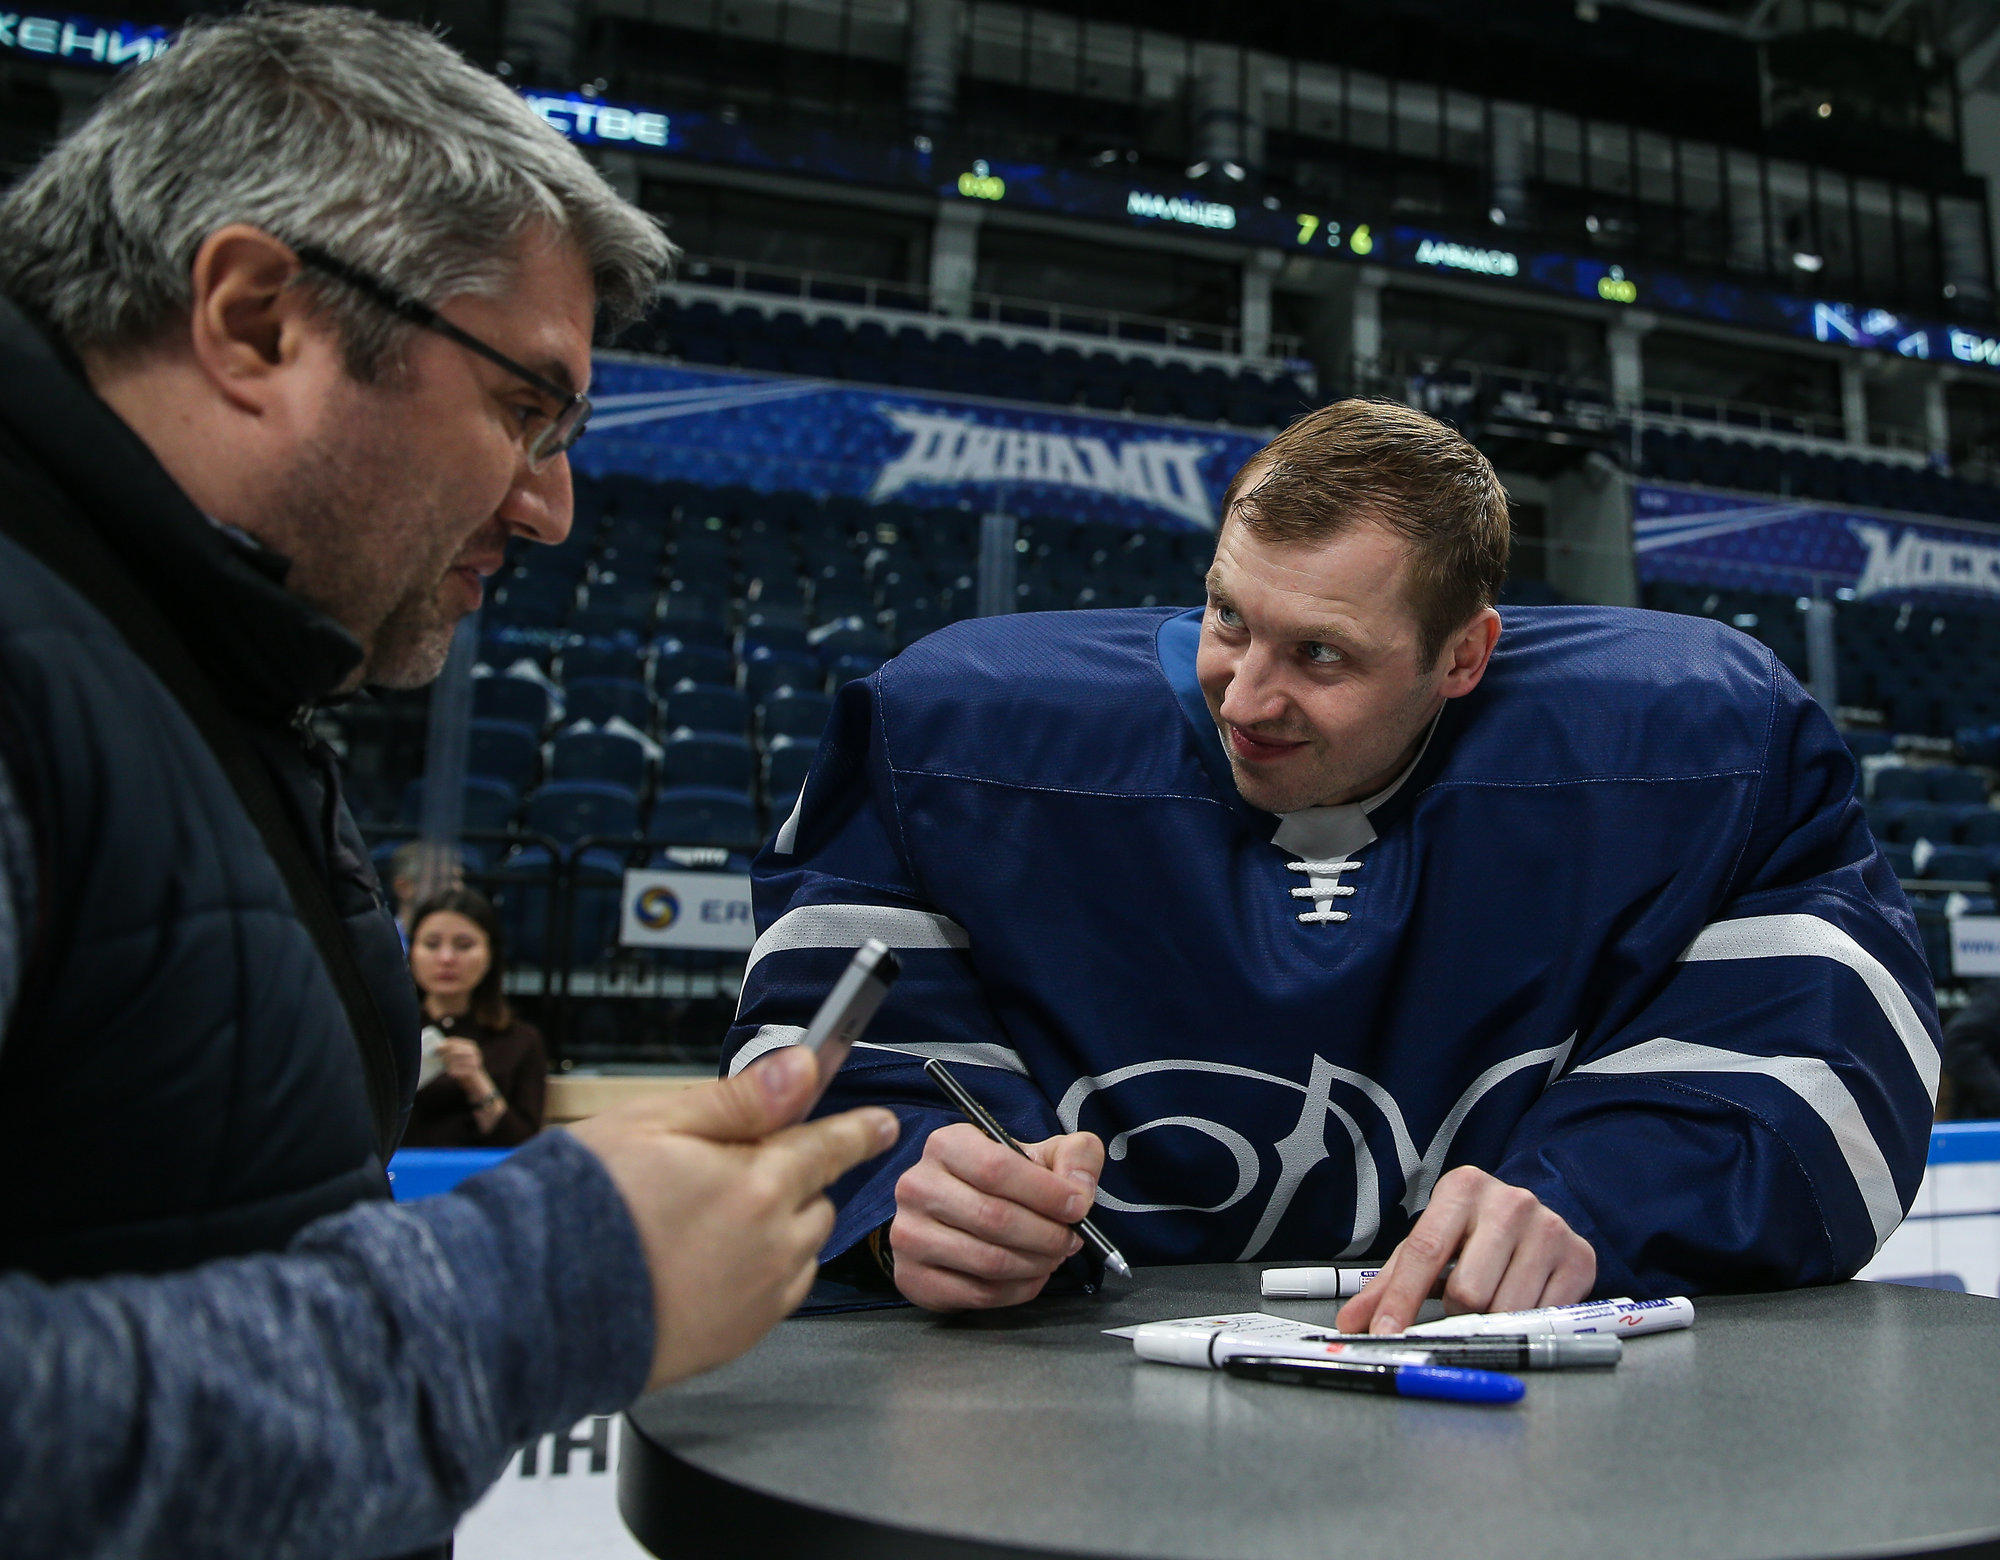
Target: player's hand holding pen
(977,1225)
(1512,1253)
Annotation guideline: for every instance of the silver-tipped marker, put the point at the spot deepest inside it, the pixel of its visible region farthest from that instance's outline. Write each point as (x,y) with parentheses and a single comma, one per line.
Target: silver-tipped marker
(984,1120)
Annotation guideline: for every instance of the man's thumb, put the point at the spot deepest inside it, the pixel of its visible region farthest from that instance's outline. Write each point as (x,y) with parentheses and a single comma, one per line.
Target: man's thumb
(770,1093)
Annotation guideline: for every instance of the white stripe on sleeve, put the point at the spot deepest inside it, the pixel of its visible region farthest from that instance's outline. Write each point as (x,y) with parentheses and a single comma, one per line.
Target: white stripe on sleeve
(848,926)
(1808,936)
(974,1053)
(1811,1079)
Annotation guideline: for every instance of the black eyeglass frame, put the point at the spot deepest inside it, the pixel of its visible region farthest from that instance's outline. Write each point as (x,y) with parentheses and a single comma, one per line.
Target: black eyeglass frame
(564,429)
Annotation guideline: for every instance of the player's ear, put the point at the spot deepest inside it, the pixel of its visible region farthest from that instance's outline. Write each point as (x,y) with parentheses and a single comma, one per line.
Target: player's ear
(1467,655)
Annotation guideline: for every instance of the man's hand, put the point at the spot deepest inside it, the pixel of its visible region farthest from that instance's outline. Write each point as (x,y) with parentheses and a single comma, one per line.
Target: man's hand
(729,1201)
(1513,1255)
(979,1226)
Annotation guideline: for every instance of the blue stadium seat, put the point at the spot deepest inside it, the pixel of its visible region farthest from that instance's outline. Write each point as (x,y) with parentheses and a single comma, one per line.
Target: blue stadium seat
(1923,821)
(705,707)
(534,600)
(708,759)
(1954,863)
(523,894)
(695,619)
(599,699)
(676,660)
(1953,786)
(772,627)
(489,804)
(603,658)
(505,750)
(595,908)
(797,714)
(511,698)
(787,762)
(765,671)
(610,756)
(701,815)
(1900,860)
(570,810)
(1895,784)
(1980,830)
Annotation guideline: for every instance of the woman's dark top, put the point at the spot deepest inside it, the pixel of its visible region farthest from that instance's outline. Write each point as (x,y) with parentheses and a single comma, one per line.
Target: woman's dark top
(517,1062)
(1972,1055)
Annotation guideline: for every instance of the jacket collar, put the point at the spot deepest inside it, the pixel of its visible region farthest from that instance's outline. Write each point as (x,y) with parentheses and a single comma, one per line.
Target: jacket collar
(267,651)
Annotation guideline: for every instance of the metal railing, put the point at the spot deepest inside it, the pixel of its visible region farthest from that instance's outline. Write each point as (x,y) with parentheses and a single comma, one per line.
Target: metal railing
(1741,417)
(701,273)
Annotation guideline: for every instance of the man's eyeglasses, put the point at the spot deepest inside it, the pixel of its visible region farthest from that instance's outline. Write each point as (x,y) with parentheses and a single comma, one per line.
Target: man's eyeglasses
(545,442)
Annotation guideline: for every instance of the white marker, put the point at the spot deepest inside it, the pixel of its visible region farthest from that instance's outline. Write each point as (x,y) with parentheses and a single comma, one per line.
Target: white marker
(1208,1342)
(1316,1283)
(1211,1342)
(1622,1318)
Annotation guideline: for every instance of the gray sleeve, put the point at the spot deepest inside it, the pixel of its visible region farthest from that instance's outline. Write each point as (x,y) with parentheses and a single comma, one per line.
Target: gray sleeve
(350,1397)
(17,894)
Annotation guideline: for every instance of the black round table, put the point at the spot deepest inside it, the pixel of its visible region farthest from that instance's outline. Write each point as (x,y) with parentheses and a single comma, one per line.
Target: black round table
(1862,1419)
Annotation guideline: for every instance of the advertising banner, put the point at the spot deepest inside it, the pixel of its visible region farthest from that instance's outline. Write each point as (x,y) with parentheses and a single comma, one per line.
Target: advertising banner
(699,910)
(1975,945)
(719,426)
(1792,546)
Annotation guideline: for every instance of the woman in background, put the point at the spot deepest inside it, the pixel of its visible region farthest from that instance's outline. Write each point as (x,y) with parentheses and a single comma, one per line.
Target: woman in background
(491,1070)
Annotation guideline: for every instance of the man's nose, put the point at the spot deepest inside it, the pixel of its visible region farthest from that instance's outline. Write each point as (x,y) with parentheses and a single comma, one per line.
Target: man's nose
(1253,695)
(542,503)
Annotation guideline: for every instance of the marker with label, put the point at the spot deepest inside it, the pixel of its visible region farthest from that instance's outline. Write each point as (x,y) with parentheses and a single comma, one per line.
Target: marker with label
(1211,1342)
(1623,1318)
(1315,1283)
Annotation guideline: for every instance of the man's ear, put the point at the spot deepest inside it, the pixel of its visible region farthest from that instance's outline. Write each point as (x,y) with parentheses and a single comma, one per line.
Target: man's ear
(246,323)
(1466,657)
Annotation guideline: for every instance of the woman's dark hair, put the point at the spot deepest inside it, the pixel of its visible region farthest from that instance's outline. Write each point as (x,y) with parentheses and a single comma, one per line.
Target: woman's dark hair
(490,1009)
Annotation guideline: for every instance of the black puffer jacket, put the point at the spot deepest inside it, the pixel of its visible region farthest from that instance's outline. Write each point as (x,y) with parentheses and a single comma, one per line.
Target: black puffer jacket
(179,1079)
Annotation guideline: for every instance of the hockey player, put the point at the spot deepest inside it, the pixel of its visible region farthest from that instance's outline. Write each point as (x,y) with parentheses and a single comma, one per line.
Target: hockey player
(1335,921)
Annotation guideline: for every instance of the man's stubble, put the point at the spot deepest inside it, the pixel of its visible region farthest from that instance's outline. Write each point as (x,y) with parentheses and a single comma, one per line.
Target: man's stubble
(371,538)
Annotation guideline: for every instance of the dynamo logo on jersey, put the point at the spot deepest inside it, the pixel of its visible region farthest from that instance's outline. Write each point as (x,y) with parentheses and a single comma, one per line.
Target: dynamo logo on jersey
(947,450)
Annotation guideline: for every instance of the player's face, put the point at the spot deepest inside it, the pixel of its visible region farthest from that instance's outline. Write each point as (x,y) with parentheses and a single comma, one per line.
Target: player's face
(1311,664)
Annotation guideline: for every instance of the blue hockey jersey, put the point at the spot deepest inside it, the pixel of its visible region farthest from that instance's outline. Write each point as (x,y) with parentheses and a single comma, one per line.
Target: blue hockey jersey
(1619,936)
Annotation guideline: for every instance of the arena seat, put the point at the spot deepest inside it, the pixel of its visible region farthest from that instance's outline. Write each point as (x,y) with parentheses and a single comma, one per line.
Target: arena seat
(1954,863)
(570,810)
(711,760)
(610,756)
(599,699)
(504,750)
(488,804)
(676,660)
(516,699)
(1900,785)
(704,707)
(1952,786)
(765,671)
(787,761)
(790,713)
(700,815)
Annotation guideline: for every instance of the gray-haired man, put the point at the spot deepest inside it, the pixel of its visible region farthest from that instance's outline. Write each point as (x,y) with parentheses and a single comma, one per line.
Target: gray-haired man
(293,338)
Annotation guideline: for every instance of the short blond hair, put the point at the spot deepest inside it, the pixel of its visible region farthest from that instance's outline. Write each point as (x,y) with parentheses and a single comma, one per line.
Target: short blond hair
(1359,461)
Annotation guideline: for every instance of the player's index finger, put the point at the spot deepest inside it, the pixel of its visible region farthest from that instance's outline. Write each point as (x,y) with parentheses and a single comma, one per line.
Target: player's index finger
(1423,1254)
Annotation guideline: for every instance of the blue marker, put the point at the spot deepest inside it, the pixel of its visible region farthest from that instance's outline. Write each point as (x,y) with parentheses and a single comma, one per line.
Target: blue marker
(1443,1382)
